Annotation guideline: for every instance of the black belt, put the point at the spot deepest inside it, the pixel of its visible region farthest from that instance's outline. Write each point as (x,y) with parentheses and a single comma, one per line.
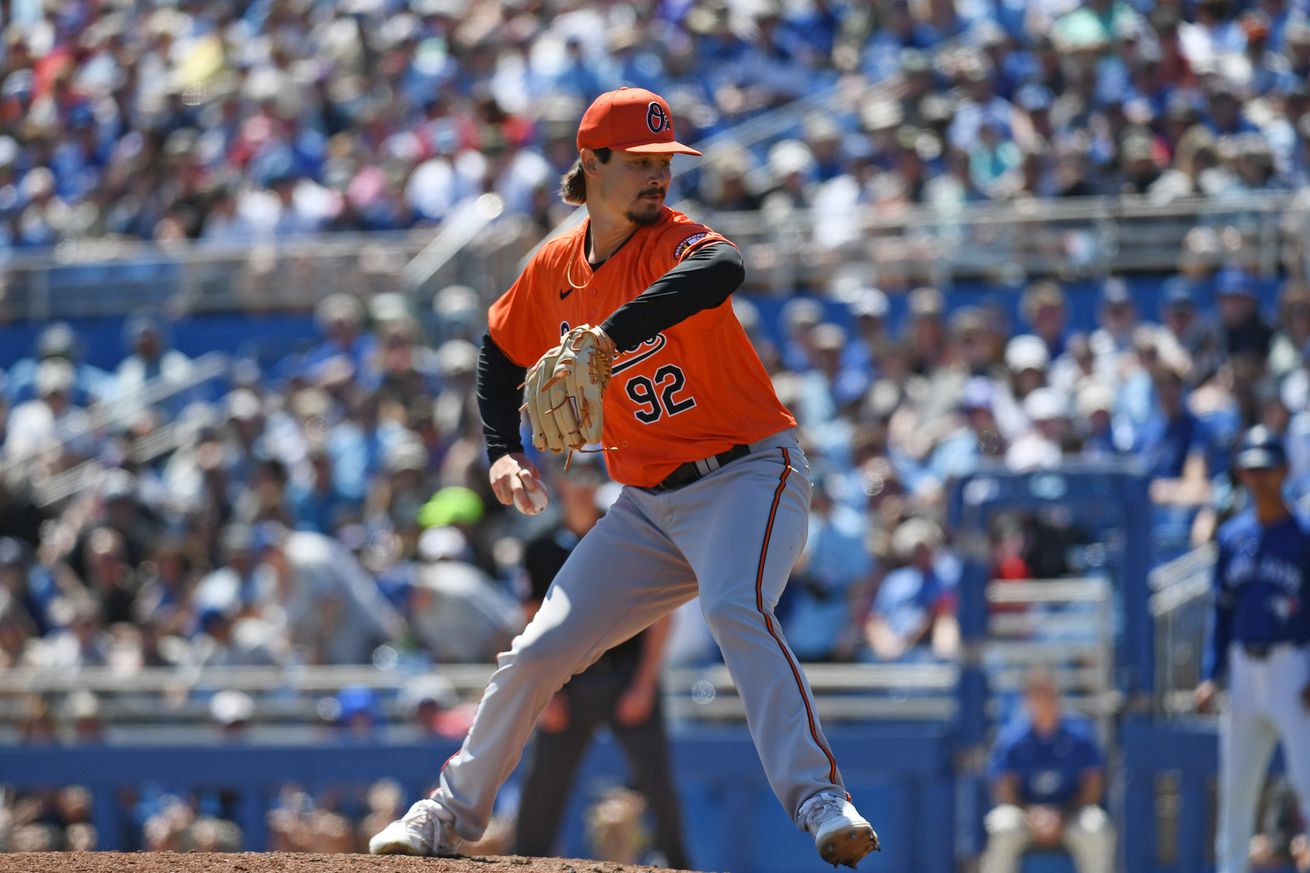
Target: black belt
(1261,651)
(693,470)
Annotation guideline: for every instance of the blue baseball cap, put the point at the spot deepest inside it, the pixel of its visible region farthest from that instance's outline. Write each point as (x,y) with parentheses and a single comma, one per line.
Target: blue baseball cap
(357,700)
(1260,449)
(210,615)
(1179,291)
(1235,282)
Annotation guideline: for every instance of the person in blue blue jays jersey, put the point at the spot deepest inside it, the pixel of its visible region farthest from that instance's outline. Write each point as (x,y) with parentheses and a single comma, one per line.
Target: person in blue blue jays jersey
(1260,643)
(1048,777)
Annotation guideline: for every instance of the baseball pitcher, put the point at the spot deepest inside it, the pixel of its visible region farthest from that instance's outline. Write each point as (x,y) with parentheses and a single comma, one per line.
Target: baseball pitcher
(620,334)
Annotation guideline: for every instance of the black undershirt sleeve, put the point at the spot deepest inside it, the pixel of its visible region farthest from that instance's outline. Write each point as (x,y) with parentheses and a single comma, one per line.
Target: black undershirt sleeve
(499,399)
(702,280)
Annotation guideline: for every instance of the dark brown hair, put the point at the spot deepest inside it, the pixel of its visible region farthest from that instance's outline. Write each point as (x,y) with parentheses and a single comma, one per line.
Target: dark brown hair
(573,184)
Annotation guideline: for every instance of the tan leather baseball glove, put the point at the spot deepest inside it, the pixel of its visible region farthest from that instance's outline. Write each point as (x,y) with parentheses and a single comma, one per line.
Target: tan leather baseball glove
(563,391)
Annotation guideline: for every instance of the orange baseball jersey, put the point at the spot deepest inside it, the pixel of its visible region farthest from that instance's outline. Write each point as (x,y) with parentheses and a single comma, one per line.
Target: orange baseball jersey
(687,393)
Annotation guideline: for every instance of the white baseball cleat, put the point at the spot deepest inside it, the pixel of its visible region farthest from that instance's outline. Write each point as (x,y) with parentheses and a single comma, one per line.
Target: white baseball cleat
(424,830)
(841,834)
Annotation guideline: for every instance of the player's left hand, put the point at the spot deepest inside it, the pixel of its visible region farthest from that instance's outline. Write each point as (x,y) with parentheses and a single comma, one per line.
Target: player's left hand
(562,392)
(636,704)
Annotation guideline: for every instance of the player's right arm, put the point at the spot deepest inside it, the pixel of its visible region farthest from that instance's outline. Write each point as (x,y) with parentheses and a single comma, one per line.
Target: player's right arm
(1221,634)
(515,338)
(512,474)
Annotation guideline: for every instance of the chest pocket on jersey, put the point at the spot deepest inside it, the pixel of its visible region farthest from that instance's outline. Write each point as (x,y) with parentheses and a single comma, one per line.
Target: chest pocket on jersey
(658,397)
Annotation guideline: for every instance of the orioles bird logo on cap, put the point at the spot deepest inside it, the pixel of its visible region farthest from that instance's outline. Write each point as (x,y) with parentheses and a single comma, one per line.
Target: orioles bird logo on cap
(656,118)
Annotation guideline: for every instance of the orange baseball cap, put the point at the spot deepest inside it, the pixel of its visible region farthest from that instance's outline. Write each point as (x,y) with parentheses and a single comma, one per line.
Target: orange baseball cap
(630,120)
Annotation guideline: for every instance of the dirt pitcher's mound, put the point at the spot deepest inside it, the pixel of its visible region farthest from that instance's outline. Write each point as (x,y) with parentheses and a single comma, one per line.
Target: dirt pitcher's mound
(282,862)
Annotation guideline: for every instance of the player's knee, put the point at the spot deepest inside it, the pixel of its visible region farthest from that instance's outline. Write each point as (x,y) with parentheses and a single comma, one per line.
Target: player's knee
(1007,838)
(1092,821)
(1004,821)
(722,612)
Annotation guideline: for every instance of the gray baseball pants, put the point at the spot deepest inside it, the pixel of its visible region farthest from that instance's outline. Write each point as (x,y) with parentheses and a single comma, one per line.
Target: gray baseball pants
(731,537)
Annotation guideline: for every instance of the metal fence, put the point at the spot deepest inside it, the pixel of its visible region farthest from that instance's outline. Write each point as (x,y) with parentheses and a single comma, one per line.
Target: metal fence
(106,278)
(162,697)
(786,250)
(1180,607)
(1063,625)
(1010,242)
(109,279)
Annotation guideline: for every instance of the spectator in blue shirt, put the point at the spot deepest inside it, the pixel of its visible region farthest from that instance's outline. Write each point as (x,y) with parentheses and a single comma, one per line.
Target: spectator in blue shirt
(1189,325)
(978,436)
(914,611)
(980,106)
(340,317)
(1226,115)
(1245,331)
(899,31)
(1171,438)
(1172,446)
(315,501)
(1095,404)
(151,362)
(59,341)
(1048,778)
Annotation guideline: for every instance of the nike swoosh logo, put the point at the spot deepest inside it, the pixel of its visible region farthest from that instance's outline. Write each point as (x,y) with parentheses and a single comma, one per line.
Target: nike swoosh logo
(565,292)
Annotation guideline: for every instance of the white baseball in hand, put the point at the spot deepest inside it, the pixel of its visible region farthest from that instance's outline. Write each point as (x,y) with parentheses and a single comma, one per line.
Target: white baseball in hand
(537,497)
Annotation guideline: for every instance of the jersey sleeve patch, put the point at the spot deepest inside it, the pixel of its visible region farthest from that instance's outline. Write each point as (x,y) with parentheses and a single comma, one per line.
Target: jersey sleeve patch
(682,247)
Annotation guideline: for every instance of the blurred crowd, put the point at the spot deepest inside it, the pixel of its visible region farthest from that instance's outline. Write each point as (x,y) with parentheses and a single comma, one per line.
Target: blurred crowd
(1063,99)
(227,121)
(332,507)
(306,514)
(890,413)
